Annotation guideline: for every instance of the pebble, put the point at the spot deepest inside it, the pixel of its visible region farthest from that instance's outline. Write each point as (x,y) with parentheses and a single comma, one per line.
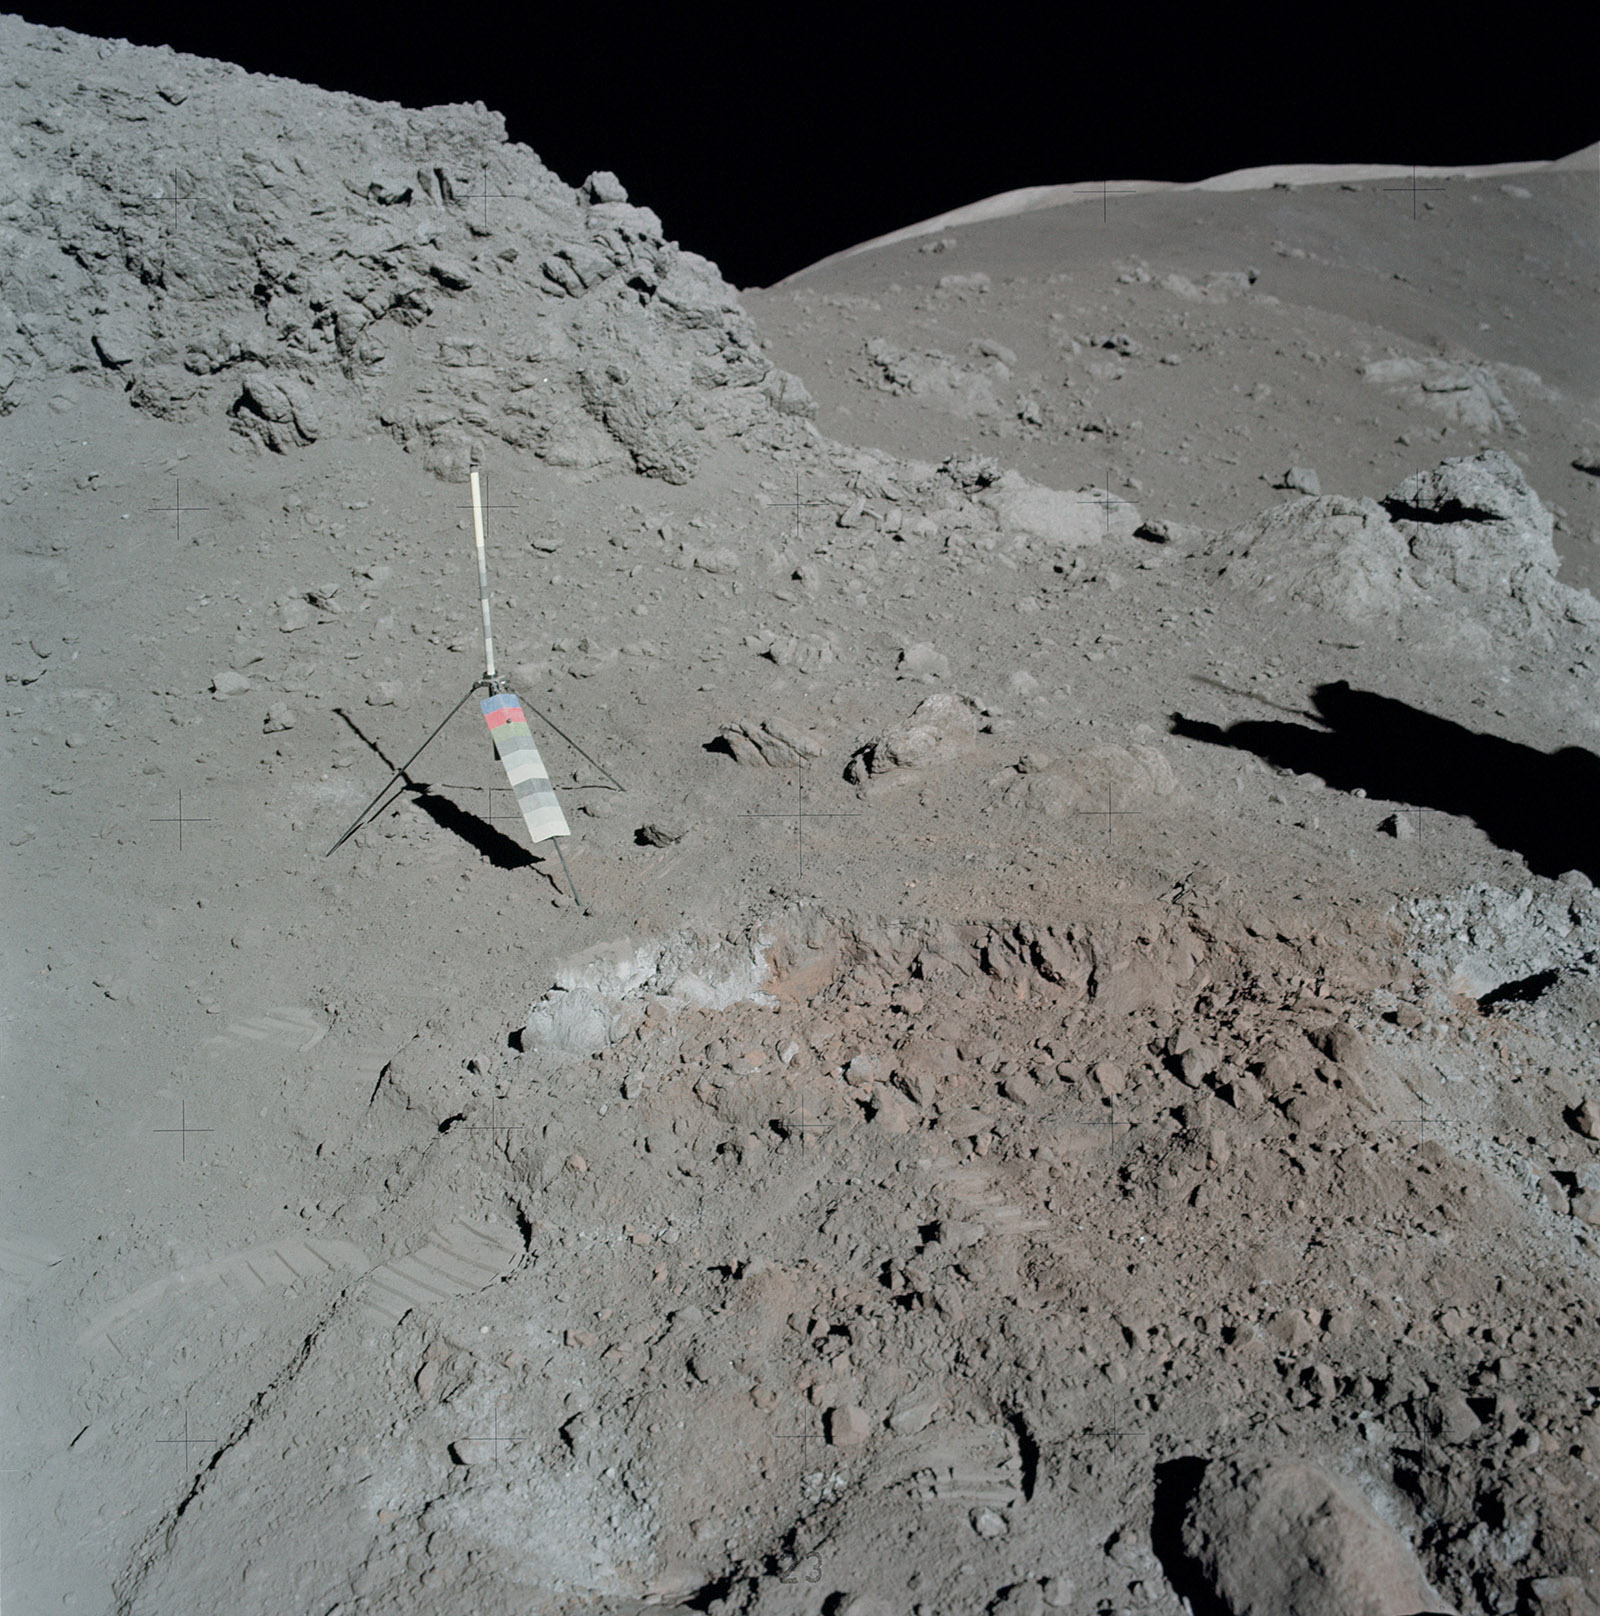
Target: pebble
(988,1524)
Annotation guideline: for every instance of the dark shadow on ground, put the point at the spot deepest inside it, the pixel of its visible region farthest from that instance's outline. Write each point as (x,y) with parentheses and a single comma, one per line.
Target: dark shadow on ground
(1543,806)
(478,834)
(502,851)
(1177,1482)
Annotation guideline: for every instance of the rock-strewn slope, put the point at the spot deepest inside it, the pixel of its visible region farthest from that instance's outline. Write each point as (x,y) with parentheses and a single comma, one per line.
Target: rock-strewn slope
(214,241)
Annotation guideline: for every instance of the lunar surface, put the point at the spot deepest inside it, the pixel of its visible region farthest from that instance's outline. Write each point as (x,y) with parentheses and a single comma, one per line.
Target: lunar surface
(1056,1069)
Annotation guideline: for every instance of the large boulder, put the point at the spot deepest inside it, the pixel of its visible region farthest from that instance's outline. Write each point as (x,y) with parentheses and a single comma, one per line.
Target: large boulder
(1458,557)
(1283,1537)
(1053,518)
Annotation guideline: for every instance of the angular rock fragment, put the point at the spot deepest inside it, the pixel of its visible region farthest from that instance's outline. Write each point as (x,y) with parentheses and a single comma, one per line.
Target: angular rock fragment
(778,745)
(941,729)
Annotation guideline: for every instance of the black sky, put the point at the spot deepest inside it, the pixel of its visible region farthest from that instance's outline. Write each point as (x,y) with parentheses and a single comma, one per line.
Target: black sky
(768,136)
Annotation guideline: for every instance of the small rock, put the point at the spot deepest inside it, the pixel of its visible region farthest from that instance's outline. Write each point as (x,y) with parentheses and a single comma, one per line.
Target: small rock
(848,1427)
(912,1413)
(860,1070)
(1300,480)
(384,694)
(1247,1096)
(657,836)
(1291,1330)
(1400,827)
(604,186)
(1108,1077)
(280,716)
(956,1234)
(117,341)
(940,730)
(1196,1065)
(1021,1599)
(293,615)
(1586,1119)
(1308,1112)
(228,683)
(450,274)
(1586,1199)
(986,1523)
(471,1450)
(1057,1592)
(723,559)
(1561,1596)
(1447,1417)
(921,661)
(1344,1046)
(864,1605)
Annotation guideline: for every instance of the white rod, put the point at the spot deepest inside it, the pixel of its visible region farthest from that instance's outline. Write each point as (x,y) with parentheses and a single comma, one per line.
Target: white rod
(483,578)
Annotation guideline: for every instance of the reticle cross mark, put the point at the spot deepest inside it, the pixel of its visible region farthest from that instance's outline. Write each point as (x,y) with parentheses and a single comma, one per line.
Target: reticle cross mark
(178,509)
(177,197)
(1106,193)
(1106,500)
(186,1441)
(183,1130)
(1415,189)
(800,814)
(496,1437)
(493,1125)
(483,195)
(1108,813)
(180,819)
(798,506)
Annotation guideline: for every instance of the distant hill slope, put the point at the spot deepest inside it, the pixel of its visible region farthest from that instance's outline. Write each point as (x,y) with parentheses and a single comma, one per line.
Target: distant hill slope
(1031,198)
